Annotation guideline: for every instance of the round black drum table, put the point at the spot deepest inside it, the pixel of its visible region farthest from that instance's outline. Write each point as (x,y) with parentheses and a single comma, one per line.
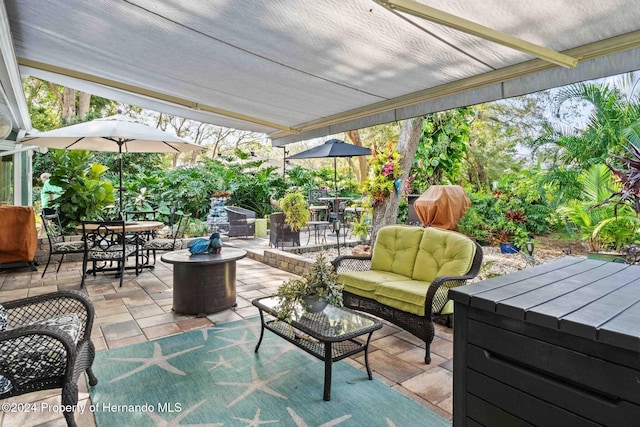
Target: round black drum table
(204,283)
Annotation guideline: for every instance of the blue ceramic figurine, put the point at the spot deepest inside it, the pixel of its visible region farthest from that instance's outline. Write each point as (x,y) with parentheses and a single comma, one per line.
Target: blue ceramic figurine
(213,245)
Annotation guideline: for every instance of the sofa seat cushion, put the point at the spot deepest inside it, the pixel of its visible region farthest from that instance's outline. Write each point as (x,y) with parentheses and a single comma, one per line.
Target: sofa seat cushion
(396,248)
(442,253)
(364,283)
(38,356)
(405,295)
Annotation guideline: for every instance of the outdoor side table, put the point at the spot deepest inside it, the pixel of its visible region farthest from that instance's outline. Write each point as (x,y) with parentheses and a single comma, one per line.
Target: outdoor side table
(204,283)
(329,335)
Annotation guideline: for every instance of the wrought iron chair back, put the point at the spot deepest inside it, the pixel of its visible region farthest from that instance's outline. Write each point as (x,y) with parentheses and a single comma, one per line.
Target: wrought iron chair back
(58,244)
(105,242)
(173,241)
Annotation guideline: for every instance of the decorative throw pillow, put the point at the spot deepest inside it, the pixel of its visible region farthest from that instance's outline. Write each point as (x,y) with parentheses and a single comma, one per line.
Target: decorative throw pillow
(42,357)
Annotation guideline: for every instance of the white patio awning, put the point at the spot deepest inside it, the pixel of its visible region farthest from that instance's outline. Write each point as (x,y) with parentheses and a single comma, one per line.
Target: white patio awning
(297,69)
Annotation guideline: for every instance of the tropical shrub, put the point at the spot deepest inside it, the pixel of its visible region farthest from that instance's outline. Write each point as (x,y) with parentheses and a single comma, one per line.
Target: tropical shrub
(86,192)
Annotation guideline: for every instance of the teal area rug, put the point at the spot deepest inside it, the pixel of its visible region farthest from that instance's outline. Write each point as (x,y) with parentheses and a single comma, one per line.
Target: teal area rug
(212,377)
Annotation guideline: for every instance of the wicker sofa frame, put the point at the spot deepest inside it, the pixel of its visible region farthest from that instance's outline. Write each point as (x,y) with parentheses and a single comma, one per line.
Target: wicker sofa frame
(79,357)
(420,326)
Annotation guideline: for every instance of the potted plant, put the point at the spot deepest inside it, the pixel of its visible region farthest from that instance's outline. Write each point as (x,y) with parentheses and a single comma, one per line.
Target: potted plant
(296,213)
(361,228)
(511,235)
(310,292)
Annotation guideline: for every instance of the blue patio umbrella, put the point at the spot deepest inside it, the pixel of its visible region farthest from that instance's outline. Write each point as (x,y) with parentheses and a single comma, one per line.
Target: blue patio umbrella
(333,148)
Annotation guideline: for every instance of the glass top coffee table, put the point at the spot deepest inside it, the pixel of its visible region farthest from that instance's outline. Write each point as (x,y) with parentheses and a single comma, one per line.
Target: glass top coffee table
(329,335)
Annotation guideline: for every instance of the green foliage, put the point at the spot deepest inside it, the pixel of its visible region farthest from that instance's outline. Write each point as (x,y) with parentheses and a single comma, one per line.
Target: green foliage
(296,213)
(321,281)
(385,169)
(441,147)
(86,192)
(472,225)
(609,128)
(599,226)
(197,228)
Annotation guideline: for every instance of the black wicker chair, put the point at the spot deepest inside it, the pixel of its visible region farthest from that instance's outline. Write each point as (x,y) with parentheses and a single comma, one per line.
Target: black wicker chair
(58,243)
(242,222)
(47,345)
(420,326)
(280,232)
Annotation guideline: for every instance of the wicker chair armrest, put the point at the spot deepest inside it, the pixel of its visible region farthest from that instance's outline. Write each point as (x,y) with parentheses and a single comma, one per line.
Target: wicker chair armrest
(12,351)
(28,310)
(352,263)
(447,282)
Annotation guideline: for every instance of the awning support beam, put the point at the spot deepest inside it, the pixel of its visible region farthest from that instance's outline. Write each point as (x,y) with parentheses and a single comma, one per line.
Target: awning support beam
(452,21)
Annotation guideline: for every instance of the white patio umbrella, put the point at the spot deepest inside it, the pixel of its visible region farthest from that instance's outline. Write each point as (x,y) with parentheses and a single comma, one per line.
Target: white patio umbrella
(117,133)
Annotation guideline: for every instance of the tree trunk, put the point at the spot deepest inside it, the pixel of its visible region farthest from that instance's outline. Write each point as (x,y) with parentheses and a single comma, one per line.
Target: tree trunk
(387,213)
(83,105)
(354,136)
(68,104)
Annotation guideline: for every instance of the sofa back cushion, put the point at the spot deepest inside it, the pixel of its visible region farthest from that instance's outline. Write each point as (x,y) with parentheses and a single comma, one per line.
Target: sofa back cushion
(396,248)
(443,253)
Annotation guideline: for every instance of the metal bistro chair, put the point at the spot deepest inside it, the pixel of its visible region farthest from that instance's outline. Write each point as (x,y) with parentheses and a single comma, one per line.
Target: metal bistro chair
(146,236)
(58,245)
(319,210)
(105,242)
(173,242)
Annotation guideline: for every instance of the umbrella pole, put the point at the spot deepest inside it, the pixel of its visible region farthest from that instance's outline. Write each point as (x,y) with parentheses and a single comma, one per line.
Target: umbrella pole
(120,177)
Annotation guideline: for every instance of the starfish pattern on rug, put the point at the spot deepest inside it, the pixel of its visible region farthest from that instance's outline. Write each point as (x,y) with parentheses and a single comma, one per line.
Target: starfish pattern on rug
(284,347)
(161,422)
(301,423)
(256,383)
(252,326)
(242,343)
(221,362)
(255,422)
(158,359)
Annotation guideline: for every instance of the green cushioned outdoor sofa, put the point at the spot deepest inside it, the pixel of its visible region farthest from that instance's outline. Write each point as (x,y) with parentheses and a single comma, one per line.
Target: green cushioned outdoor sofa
(407,278)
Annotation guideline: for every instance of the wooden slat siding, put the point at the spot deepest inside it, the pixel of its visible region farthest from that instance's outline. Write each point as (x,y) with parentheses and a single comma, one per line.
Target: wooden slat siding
(623,330)
(463,294)
(582,370)
(566,395)
(523,405)
(489,299)
(489,415)
(550,313)
(586,321)
(518,306)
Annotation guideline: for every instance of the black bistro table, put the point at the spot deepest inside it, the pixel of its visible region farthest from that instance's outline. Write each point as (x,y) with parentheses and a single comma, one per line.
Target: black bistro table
(329,335)
(554,345)
(204,283)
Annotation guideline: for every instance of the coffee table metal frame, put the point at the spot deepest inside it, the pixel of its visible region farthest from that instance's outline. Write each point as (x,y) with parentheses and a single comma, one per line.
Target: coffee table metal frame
(324,340)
